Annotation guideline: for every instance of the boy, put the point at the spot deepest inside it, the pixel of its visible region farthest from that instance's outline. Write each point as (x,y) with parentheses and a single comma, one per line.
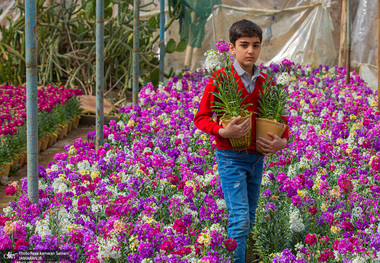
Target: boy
(240,171)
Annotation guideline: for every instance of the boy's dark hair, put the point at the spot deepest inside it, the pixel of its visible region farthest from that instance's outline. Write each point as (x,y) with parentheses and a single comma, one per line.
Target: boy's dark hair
(244,28)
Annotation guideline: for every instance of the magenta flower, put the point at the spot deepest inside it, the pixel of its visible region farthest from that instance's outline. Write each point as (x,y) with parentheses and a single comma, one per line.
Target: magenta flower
(311,239)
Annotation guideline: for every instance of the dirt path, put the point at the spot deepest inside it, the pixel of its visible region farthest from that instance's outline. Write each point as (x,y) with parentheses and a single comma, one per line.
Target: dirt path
(43,159)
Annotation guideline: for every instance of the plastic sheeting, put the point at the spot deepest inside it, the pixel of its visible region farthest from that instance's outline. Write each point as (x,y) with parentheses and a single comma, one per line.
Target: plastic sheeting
(304,31)
(301,31)
(364,43)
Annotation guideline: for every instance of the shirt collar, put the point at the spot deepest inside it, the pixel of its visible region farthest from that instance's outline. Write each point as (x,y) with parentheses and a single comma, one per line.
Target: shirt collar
(240,71)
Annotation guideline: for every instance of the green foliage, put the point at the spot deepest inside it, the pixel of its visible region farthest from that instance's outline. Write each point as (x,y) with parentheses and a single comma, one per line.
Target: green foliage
(273,101)
(270,233)
(73,108)
(170,46)
(231,100)
(181,46)
(66,49)
(6,152)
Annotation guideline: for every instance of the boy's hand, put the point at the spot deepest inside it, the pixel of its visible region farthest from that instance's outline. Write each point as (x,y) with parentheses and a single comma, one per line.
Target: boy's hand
(234,130)
(271,147)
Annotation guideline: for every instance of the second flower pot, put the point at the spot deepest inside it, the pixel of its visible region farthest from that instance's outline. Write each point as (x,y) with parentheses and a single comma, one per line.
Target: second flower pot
(243,143)
(263,126)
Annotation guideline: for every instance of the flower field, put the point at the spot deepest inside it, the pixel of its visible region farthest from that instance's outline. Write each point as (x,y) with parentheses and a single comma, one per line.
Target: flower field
(57,106)
(152,192)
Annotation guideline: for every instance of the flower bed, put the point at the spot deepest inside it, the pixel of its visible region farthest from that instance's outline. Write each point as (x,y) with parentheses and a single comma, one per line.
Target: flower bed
(56,105)
(320,194)
(149,193)
(152,193)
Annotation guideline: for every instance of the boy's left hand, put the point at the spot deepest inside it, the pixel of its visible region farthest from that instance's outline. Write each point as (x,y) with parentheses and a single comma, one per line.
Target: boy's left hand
(271,147)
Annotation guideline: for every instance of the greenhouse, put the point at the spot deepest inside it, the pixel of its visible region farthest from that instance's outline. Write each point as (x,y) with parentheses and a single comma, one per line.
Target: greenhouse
(189,131)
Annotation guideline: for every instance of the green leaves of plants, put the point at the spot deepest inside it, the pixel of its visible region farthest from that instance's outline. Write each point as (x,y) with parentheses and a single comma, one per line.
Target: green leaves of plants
(181,46)
(272,101)
(170,46)
(152,22)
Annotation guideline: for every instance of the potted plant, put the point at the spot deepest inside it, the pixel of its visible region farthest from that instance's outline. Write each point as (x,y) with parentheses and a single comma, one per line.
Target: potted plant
(230,104)
(6,157)
(271,108)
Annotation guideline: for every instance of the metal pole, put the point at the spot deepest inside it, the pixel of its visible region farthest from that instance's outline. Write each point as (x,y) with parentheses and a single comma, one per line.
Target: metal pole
(99,72)
(136,47)
(162,38)
(31,99)
(348,62)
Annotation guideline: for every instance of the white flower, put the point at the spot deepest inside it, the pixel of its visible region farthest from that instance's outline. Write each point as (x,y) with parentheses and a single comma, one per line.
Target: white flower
(7,210)
(265,180)
(179,86)
(59,186)
(283,79)
(216,227)
(357,211)
(212,60)
(221,204)
(42,228)
(54,167)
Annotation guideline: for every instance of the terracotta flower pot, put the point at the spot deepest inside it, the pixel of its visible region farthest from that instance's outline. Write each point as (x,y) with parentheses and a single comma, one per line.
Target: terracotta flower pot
(76,121)
(63,132)
(73,124)
(263,126)
(39,145)
(25,157)
(21,159)
(69,126)
(51,140)
(243,143)
(44,143)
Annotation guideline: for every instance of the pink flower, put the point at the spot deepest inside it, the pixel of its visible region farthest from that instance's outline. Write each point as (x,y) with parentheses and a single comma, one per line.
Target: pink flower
(230,244)
(311,239)
(281,177)
(167,245)
(5,242)
(296,201)
(324,239)
(179,226)
(222,46)
(313,210)
(21,242)
(10,190)
(76,237)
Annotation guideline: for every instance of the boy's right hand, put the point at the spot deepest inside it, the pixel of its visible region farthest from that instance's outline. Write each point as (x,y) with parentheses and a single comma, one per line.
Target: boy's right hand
(234,130)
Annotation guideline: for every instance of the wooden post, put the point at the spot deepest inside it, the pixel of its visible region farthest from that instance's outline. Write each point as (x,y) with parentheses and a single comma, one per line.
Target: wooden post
(348,62)
(343,34)
(188,56)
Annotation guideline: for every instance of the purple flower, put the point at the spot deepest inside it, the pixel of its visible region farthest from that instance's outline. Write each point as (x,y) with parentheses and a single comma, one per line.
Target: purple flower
(145,250)
(375,242)
(296,201)
(271,206)
(222,46)
(267,193)
(5,242)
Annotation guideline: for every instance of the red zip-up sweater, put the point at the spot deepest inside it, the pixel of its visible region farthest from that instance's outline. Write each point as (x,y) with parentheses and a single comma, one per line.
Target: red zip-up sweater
(203,118)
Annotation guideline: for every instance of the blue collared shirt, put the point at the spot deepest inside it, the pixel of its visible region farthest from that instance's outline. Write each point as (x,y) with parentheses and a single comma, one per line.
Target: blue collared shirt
(244,76)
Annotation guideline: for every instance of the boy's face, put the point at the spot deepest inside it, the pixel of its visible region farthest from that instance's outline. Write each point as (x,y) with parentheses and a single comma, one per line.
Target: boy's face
(246,51)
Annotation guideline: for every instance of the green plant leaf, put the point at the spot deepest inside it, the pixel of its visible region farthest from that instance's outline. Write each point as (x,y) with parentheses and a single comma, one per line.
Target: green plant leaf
(181,46)
(154,76)
(152,22)
(170,46)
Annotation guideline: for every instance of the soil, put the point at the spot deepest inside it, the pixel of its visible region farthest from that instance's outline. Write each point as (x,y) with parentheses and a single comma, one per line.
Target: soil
(43,159)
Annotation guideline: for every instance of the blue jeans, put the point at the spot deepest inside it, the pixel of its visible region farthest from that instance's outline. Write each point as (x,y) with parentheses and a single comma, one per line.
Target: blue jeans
(240,175)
